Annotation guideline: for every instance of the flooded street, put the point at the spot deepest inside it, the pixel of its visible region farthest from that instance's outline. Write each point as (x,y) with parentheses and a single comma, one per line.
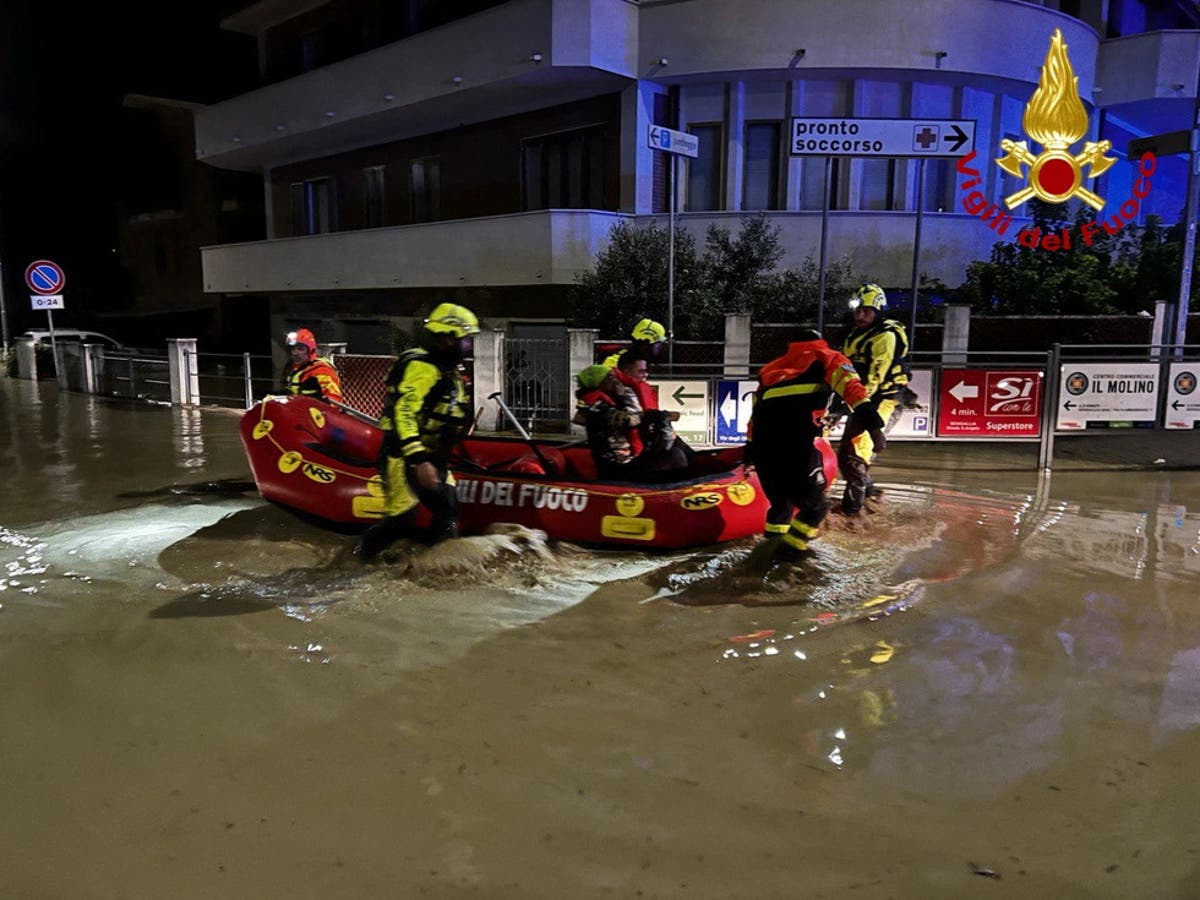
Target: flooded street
(994,691)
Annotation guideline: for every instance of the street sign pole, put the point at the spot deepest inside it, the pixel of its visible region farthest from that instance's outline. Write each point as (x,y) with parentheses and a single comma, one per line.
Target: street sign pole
(675,143)
(870,137)
(3,312)
(53,345)
(46,280)
(824,246)
(916,272)
(671,269)
(1189,233)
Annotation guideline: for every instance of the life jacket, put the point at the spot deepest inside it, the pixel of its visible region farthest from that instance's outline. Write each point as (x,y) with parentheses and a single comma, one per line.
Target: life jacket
(901,357)
(426,412)
(612,426)
(316,378)
(647,396)
(863,348)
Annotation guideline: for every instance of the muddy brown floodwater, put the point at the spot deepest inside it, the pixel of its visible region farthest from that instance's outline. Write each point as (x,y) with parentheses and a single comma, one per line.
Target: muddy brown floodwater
(992,691)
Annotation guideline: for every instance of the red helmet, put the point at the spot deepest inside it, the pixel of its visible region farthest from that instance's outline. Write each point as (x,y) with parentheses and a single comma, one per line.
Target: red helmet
(302,336)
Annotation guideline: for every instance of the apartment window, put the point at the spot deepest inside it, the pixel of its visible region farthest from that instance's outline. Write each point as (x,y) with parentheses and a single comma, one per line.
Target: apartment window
(760,180)
(878,185)
(704,172)
(373,196)
(425,189)
(313,207)
(812,184)
(1010,184)
(311,55)
(939,188)
(564,171)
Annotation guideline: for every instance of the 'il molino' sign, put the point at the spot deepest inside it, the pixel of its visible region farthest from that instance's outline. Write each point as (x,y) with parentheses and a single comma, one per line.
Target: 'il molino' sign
(1056,119)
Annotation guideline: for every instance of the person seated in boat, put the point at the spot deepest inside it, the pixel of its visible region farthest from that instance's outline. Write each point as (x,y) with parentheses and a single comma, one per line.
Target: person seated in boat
(647,341)
(308,374)
(656,431)
(426,414)
(611,413)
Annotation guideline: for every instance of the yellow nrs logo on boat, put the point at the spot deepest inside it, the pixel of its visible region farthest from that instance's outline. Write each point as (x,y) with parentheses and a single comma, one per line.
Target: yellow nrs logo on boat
(702,500)
(318,416)
(741,494)
(319,473)
(630,505)
(263,428)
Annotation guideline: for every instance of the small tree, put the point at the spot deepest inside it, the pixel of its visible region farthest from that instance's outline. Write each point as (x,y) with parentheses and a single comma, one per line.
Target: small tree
(1123,272)
(629,281)
(1020,280)
(734,274)
(791,295)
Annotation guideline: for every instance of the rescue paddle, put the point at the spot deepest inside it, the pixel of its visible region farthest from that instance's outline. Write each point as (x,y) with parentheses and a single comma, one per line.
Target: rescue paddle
(499,398)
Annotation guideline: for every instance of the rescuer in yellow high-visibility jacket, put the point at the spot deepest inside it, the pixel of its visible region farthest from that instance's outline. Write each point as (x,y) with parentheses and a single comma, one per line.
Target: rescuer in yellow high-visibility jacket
(425,415)
(878,348)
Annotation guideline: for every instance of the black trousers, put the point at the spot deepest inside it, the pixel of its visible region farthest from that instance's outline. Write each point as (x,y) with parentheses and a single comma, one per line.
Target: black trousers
(795,486)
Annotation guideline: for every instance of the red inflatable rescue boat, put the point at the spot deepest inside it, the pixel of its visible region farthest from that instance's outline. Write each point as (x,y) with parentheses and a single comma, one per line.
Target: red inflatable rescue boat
(317,459)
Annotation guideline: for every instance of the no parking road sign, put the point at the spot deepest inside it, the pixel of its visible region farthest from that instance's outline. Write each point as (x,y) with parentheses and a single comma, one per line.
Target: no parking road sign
(45,277)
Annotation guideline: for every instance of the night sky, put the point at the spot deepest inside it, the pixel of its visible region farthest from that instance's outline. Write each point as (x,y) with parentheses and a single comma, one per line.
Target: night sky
(65,69)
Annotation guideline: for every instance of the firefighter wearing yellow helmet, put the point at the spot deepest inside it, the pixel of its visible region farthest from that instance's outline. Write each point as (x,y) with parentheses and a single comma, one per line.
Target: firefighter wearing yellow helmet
(878,347)
(426,413)
(648,337)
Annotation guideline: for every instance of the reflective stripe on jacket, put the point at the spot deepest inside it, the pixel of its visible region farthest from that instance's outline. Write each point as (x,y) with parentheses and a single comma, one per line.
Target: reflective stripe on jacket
(794,391)
(426,411)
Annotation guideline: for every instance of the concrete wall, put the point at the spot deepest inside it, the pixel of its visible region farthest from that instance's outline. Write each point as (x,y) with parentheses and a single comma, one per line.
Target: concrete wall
(526,248)
(996,38)
(473,70)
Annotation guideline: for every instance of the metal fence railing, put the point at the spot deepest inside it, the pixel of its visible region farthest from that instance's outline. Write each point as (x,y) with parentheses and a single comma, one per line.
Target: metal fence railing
(231,379)
(136,376)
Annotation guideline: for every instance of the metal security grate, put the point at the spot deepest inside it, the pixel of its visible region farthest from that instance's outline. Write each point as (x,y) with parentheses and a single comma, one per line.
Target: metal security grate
(537,383)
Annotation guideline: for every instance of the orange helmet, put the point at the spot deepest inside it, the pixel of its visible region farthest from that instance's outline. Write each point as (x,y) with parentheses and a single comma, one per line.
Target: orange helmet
(302,337)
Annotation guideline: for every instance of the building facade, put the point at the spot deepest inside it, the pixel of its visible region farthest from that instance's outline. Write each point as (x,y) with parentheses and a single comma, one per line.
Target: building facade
(171,206)
(482,150)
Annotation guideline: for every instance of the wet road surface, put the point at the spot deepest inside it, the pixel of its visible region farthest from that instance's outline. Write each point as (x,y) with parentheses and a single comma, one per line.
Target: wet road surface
(994,690)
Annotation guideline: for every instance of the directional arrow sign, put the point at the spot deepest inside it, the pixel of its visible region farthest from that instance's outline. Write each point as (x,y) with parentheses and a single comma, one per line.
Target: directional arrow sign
(882,137)
(963,391)
(1068,405)
(729,407)
(1183,396)
(667,139)
(956,138)
(689,398)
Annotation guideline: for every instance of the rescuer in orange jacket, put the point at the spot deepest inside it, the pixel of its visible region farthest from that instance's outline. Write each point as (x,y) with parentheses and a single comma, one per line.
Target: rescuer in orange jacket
(793,393)
(308,374)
